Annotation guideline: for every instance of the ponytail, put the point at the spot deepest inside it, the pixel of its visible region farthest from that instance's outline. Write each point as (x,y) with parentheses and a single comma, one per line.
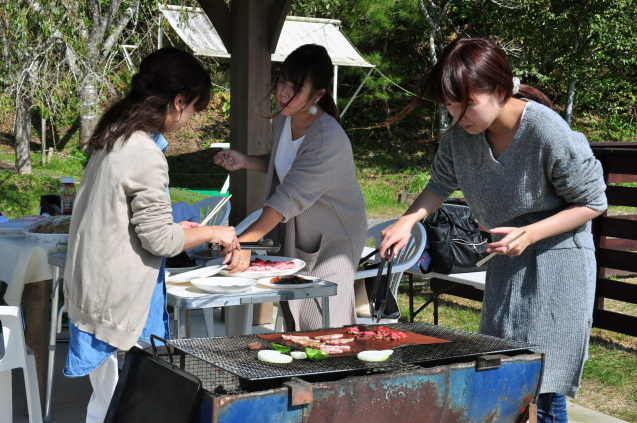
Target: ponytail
(527,91)
(327,104)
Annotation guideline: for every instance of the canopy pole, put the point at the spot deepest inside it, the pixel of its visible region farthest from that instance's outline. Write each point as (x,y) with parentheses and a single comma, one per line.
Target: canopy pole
(357,90)
(335,82)
(161,18)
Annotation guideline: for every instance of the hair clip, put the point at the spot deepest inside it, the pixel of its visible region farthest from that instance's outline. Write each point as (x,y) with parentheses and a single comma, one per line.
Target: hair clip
(516,85)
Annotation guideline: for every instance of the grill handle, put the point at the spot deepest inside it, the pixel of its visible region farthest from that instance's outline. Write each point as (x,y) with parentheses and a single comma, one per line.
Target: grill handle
(152,343)
(266,245)
(300,391)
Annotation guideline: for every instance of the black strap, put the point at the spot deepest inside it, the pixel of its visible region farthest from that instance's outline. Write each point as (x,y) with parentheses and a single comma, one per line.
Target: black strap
(365,265)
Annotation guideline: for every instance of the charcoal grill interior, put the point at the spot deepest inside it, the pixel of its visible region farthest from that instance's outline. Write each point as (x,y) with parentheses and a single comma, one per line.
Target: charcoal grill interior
(226,365)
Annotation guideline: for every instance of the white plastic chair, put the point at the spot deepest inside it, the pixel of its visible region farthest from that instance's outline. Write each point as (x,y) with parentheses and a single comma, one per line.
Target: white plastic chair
(403,261)
(17,355)
(224,146)
(205,206)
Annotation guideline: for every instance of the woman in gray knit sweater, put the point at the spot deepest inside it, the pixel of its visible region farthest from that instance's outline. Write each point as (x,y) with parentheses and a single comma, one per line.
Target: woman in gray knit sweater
(521,169)
(313,203)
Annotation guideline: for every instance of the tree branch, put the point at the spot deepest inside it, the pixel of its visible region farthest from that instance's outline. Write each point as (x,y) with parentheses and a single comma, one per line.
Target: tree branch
(117,31)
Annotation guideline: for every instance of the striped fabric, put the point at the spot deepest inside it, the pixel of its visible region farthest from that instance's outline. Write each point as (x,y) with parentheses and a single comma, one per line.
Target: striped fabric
(323,216)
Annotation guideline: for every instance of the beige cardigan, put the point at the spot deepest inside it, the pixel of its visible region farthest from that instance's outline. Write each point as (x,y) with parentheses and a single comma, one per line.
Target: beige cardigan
(324,219)
(121,228)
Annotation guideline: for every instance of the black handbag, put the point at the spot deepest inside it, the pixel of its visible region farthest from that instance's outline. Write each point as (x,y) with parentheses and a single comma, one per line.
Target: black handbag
(382,303)
(455,241)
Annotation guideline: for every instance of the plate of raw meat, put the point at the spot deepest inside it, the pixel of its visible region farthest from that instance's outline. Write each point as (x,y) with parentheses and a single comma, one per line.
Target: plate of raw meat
(265,267)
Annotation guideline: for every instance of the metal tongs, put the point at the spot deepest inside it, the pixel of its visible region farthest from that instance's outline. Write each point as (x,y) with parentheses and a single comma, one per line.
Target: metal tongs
(266,245)
(378,299)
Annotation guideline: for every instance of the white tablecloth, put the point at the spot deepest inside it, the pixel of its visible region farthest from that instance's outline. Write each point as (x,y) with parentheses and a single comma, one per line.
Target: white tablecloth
(23,261)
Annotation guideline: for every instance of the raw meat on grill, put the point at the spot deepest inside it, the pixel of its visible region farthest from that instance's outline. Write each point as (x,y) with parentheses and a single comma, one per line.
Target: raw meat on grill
(255,346)
(340,341)
(294,338)
(334,349)
(381,332)
(328,337)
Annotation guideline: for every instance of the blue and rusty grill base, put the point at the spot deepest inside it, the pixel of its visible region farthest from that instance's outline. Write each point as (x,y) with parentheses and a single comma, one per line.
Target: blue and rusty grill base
(449,393)
(474,378)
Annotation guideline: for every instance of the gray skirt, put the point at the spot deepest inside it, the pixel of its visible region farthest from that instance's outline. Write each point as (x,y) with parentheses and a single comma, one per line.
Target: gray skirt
(546,298)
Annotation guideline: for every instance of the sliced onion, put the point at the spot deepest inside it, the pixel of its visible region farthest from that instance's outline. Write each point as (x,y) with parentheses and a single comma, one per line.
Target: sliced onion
(374,355)
(298,355)
(271,356)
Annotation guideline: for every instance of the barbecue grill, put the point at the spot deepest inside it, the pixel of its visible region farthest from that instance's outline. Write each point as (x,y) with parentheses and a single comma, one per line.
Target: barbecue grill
(473,378)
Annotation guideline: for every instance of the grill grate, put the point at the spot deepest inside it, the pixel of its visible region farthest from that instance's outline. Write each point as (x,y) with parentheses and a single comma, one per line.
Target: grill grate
(236,367)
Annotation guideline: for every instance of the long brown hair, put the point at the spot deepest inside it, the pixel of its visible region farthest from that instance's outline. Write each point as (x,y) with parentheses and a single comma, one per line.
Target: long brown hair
(311,63)
(469,66)
(162,75)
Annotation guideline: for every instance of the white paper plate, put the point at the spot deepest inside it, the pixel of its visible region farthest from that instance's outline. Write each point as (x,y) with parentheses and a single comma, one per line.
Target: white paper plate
(177,270)
(265,283)
(13,227)
(300,264)
(47,238)
(197,273)
(223,284)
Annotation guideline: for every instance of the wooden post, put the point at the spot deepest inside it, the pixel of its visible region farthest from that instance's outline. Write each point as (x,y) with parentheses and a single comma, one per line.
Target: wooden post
(250,79)
(250,32)
(50,155)
(43,141)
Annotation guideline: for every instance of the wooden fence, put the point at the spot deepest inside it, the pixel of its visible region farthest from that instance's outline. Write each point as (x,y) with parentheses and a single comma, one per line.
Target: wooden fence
(616,238)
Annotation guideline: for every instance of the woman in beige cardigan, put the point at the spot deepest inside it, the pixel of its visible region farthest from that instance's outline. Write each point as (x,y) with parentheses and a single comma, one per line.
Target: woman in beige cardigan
(313,203)
(122,224)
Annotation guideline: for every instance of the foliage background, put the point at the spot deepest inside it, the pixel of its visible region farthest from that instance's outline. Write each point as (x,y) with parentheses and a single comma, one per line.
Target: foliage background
(552,45)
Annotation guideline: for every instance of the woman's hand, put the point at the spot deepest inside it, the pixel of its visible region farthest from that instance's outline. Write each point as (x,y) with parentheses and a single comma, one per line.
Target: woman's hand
(397,233)
(240,261)
(226,237)
(516,246)
(231,159)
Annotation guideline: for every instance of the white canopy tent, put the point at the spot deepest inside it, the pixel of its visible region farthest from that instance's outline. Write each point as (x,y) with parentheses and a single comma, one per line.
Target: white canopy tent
(194,27)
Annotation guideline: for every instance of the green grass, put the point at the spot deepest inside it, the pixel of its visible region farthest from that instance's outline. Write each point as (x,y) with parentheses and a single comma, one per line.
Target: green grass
(20,194)
(186,196)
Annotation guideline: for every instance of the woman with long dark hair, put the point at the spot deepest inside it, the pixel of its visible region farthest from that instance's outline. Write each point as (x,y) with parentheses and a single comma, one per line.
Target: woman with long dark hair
(313,203)
(122,225)
(524,172)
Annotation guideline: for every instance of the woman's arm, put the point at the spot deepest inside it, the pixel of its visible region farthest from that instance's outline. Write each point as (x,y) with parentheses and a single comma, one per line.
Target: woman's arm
(264,224)
(224,235)
(566,220)
(234,160)
(398,233)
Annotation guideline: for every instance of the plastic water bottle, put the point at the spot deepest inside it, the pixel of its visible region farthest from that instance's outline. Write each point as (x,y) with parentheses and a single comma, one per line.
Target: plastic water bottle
(67,195)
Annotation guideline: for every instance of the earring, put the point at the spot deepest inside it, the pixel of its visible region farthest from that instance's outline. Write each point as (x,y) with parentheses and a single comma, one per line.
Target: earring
(313,109)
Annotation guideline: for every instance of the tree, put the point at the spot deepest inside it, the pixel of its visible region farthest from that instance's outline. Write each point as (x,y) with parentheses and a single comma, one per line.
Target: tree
(32,49)
(54,45)
(99,35)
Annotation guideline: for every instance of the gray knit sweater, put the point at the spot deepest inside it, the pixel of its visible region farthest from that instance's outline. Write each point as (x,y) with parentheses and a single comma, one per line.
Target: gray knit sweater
(544,296)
